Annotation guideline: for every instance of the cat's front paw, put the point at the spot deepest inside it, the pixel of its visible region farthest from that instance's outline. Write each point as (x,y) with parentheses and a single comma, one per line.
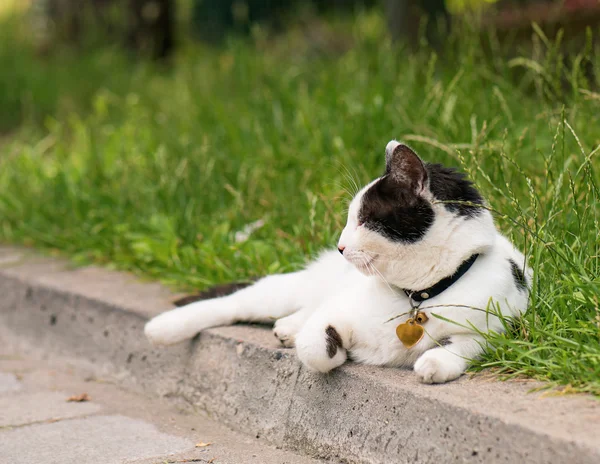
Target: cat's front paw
(320,350)
(285,331)
(438,366)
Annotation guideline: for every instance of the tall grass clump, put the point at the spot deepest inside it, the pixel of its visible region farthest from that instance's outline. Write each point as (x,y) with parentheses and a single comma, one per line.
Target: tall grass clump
(156,171)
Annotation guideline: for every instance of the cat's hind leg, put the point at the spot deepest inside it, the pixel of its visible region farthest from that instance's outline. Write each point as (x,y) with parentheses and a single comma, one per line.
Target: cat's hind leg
(268,299)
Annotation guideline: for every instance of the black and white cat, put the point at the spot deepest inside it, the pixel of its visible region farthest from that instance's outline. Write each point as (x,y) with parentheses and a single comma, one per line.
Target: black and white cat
(417,239)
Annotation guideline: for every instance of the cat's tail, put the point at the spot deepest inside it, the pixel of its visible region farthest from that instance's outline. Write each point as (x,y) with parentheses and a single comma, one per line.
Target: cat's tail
(268,299)
(213,292)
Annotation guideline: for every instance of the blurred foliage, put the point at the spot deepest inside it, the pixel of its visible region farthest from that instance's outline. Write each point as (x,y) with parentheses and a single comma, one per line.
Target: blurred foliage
(462,6)
(10,7)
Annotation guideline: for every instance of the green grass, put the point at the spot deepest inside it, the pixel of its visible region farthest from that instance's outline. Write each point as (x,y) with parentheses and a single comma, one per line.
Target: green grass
(154,170)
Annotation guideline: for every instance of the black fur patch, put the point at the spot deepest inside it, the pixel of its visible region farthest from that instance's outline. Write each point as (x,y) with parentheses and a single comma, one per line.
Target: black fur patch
(213,292)
(449,185)
(445,341)
(333,341)
(393,210)
(518,276)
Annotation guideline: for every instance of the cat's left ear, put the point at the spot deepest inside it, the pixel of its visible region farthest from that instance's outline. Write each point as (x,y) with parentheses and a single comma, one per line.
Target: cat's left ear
(405,166)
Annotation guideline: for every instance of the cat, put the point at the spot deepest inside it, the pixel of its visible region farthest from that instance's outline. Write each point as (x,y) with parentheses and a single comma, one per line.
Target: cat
(419,243)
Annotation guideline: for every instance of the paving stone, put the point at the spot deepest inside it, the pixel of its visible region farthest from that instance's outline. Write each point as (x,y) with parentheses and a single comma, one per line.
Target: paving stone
(226,447)
(91,440)
(27,408)
(9,383)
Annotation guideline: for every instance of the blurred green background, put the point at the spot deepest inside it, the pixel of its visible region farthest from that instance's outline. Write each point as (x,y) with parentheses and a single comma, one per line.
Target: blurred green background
(206,142)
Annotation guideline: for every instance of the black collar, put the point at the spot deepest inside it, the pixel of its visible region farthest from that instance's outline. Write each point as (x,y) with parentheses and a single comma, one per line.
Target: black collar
(425,294)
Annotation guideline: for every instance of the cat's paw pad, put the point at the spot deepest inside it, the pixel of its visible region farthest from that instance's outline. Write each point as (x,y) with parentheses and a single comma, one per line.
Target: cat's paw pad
(320,350)
(165,329)
(435,367)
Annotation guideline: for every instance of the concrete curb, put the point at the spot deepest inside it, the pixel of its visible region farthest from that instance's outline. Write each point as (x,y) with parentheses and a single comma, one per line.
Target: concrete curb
(242,378)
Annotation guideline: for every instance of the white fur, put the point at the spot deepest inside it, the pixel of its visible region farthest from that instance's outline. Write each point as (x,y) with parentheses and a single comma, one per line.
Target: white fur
(359,293)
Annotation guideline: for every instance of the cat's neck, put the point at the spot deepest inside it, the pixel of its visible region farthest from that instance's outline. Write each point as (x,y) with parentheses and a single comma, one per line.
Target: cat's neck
(426,263)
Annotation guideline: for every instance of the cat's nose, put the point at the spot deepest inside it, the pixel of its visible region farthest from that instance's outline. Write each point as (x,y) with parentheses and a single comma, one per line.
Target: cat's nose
(341,249)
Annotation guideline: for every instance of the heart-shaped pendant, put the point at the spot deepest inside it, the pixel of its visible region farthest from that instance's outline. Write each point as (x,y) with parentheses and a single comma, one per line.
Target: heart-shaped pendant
(410,333)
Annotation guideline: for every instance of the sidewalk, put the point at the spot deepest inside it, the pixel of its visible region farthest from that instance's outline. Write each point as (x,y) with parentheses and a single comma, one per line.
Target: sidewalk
(38,425)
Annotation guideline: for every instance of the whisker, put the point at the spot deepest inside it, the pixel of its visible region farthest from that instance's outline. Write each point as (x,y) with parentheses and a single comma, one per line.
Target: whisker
(373,268)
(349,178)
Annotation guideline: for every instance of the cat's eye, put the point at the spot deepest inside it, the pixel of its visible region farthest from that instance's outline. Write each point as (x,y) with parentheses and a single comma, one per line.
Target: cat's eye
(359,223)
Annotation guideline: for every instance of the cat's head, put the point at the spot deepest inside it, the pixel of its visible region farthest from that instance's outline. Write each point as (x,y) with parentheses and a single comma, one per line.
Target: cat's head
(416,223)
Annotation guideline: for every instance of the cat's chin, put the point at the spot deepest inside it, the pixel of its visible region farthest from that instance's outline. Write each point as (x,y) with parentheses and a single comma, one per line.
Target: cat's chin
(365,271)
(365,267)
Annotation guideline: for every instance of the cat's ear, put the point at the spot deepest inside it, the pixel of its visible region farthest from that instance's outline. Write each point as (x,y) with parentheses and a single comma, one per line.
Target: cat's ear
(404,165)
